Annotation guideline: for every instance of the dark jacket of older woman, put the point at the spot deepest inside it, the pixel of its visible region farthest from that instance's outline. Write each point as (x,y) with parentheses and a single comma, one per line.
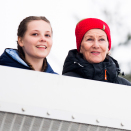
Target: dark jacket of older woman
(76,66)
(91,59)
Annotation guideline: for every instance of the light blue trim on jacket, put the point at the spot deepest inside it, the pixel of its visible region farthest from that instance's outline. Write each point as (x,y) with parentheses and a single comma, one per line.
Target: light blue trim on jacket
(14,54)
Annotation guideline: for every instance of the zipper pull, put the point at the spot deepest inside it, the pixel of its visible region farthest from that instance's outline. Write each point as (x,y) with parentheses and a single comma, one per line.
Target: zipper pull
(105,75)
(78,64)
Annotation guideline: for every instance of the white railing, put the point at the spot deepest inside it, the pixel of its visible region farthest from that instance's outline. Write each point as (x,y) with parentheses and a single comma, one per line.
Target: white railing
(31,100)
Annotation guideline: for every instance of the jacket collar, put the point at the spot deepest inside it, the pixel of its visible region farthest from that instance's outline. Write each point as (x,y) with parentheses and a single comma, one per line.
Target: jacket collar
(14,54)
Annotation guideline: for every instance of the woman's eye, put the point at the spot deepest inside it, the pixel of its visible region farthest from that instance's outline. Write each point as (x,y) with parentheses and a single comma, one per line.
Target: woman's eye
(102,39)
(89,39)
(35,34)
(47,35)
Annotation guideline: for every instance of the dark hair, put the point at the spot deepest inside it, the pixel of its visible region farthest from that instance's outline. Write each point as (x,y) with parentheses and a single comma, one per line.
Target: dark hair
(21,32)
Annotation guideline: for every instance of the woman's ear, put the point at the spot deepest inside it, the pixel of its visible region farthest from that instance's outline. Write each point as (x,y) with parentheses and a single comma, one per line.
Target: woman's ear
(80,50)
(108,53)
(20,41)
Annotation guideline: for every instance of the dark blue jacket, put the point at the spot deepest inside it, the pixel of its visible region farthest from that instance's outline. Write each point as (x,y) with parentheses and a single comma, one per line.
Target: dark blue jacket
(11,58)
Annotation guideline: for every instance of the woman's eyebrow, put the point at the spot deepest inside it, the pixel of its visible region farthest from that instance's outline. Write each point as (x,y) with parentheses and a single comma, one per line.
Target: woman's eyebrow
(48,31)
(102,36)
(35,30)
(88,36)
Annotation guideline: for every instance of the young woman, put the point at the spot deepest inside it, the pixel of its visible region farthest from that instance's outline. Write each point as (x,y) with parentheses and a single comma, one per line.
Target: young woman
(91,59)
(34,44)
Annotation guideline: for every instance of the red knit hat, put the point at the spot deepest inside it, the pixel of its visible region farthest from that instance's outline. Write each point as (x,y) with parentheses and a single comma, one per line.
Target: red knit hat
(90,23)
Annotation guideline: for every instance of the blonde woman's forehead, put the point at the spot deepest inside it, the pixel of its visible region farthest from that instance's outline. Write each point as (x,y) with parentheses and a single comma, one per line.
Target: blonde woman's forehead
(38,25)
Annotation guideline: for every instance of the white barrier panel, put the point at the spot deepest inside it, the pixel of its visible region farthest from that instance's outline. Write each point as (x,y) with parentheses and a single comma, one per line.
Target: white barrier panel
(37,101)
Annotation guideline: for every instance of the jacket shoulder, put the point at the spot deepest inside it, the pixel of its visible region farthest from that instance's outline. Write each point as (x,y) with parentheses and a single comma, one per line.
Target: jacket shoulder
(123,81)
(7,60)
(49,69)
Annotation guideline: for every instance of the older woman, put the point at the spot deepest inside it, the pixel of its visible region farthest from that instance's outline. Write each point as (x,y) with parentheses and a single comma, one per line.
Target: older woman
(91,59)
(34,44)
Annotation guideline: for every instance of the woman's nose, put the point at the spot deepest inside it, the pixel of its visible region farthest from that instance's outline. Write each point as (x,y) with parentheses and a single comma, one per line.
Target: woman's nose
(96,44)
(42,38)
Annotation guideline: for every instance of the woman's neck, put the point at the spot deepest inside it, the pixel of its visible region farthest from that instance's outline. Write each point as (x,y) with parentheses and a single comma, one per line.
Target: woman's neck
(37,64)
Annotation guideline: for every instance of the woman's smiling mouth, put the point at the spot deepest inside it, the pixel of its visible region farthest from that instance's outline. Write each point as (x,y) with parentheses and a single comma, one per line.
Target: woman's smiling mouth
(41,46)
(95,52)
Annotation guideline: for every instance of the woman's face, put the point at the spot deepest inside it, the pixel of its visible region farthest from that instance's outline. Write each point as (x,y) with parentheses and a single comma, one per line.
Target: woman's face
(94,46)
(37,40)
